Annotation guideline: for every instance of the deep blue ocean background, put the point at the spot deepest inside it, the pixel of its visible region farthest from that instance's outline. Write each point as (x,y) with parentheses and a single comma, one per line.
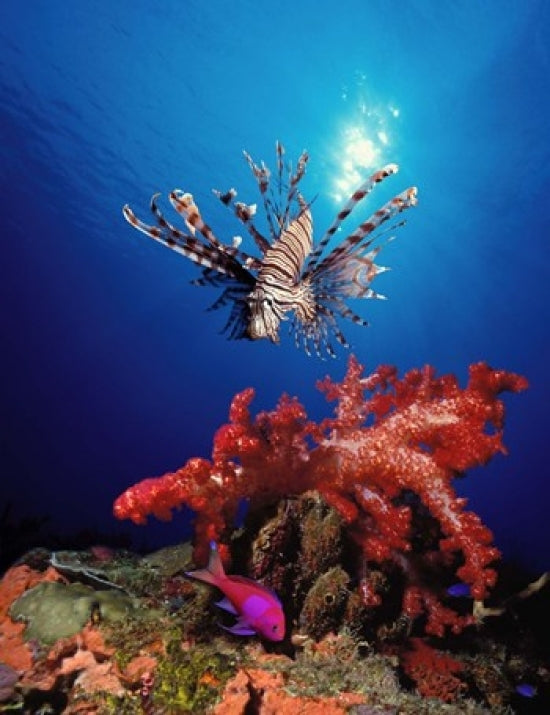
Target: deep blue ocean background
(112,371)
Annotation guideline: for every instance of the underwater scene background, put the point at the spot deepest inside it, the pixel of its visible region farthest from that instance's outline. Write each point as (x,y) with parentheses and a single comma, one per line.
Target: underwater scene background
(358,581)
(111,368)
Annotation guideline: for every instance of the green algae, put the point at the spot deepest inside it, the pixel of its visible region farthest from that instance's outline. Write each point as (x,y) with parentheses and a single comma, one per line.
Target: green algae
(191,680)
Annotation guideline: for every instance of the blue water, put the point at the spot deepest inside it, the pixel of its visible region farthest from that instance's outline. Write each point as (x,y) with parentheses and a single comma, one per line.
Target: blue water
(111,370)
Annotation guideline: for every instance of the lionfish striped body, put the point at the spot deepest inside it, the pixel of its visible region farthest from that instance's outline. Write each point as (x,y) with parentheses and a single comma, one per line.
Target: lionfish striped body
(290,279)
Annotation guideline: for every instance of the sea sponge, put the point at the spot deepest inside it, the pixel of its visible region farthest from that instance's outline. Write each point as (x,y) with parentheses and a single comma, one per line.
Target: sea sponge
(57,610)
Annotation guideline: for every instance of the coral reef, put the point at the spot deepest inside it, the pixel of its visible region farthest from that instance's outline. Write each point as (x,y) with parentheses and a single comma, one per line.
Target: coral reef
(384,461)
(159,660)
(355,524)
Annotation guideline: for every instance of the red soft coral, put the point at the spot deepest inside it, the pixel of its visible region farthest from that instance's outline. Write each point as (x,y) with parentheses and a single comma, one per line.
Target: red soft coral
(389,437)
(433,672)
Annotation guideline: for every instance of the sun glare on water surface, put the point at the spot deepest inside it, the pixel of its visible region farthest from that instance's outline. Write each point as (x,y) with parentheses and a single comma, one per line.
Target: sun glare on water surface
(365,145)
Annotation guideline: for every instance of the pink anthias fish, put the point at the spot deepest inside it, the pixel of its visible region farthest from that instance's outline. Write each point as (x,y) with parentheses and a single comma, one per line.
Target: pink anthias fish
(257,608)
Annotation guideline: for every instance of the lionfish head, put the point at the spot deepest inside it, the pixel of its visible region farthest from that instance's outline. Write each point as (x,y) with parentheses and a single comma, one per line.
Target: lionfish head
(264,319)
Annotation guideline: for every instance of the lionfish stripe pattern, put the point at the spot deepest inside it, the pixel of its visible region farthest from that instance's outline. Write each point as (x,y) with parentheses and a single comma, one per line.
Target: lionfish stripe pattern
(290,279)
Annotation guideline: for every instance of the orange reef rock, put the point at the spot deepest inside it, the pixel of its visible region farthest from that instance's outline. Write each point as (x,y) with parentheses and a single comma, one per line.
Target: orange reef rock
(14,651)
(265,692)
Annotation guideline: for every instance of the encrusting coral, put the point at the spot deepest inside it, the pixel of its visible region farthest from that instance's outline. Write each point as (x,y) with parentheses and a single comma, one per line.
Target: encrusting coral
(391,450)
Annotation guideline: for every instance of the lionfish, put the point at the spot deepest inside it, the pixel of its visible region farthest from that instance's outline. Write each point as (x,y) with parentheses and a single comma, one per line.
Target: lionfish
(291,278)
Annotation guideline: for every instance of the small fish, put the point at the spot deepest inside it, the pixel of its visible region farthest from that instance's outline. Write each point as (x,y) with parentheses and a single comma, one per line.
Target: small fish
(526,689)
(258,609)
(459,590)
